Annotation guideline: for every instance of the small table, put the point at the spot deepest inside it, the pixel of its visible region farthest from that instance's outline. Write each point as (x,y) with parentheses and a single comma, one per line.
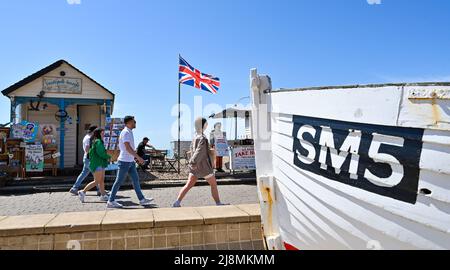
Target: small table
(158,159)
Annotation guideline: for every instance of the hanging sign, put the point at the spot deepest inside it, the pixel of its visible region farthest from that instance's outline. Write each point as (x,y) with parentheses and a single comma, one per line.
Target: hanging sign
(62,85)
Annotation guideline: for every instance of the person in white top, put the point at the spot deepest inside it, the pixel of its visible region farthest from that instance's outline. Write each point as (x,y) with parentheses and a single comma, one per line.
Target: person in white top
(127,165)
(85,172)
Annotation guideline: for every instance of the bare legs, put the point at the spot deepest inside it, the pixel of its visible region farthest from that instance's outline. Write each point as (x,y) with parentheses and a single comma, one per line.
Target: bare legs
(190,183)
(192,180)
(99,179)
(214,191)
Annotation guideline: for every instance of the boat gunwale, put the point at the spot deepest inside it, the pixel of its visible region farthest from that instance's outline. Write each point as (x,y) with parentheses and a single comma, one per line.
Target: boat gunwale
(336,87)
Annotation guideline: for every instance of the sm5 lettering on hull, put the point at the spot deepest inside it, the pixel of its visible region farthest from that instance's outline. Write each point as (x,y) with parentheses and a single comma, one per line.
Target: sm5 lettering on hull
(380,159)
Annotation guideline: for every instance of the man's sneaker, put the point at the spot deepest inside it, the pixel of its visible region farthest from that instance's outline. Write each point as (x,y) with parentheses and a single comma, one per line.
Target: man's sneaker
(81,196)
(99,194)
(113,204)
(73,191)
(146,202)
(176,204)
(221,204)
(104,198)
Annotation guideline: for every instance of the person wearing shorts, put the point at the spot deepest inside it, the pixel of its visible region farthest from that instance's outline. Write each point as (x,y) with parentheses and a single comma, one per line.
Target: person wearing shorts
(99,160)
(200,165)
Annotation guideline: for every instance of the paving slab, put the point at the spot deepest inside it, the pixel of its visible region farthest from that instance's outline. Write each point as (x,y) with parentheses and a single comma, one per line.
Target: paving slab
(222,214)
(254,211)
(24,225)
(185,216)
(128,219)
(76,222)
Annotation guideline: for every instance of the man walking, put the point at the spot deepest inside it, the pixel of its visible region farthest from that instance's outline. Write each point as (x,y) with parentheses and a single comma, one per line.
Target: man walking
(85,172)
(127,165)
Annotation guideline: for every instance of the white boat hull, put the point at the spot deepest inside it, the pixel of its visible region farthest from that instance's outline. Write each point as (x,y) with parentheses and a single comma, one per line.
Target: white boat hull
(353,168)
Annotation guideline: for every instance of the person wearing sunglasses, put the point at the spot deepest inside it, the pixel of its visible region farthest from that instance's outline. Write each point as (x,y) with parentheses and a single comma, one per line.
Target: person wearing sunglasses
(127,165)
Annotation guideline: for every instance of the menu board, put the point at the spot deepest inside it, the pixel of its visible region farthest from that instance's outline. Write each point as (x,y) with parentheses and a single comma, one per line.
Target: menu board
(243,158)
(220,143)
(112,132)
(221,146)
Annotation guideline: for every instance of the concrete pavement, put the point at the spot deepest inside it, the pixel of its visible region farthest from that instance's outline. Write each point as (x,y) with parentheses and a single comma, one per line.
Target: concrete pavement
(59,202)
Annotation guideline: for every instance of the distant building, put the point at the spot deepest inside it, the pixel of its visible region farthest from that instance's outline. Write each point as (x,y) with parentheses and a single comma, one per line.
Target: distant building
(184,147)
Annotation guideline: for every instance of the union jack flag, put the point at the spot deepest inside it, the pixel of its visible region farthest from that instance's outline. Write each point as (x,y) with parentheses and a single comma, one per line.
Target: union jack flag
(193,77)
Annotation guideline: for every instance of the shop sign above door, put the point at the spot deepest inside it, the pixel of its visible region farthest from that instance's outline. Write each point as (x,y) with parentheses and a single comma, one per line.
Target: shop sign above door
(62,85)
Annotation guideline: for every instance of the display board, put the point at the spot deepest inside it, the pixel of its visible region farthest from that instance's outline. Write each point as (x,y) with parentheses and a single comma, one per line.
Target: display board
(4,134)
(34,158)
(25,130)
(221,146)
(112,132)
(243,158)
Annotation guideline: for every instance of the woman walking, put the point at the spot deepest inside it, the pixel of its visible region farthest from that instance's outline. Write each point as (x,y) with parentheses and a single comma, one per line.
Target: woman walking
(200,165)
(99,160)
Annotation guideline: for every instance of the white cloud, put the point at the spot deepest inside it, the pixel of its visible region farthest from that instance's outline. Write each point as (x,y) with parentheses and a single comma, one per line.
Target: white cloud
(74,2)
(374,2)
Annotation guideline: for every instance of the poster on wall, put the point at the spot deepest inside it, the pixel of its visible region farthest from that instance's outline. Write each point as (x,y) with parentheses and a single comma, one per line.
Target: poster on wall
(34,156)
(243,158)
(25,130)
(48,136)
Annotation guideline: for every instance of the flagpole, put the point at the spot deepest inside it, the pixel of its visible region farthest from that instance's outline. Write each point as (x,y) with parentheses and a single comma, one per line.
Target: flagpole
(179,125)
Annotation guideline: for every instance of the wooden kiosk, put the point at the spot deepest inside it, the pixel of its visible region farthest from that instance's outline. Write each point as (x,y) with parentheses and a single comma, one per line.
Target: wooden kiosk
(63,101)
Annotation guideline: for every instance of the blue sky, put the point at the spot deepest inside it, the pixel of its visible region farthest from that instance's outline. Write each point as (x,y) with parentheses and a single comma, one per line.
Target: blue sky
(132,47)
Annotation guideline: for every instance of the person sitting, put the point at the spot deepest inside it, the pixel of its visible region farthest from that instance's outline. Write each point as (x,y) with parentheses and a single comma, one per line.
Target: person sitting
(141,151)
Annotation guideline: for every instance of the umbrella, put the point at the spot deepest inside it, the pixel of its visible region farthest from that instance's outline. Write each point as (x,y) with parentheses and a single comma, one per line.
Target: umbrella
(234,112)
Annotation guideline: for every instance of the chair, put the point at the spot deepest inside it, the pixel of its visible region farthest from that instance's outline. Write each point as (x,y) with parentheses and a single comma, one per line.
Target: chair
(171,165)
